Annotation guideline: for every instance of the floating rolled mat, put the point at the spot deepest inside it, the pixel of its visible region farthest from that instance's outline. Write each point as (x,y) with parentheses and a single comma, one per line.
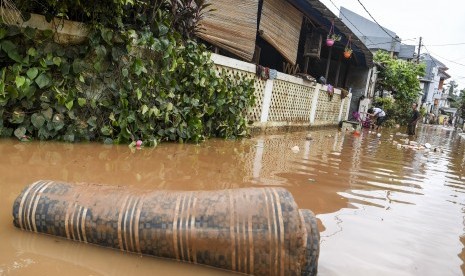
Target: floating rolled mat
(257,231)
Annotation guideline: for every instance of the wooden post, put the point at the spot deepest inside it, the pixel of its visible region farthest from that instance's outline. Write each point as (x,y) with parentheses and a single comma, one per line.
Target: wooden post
(337,72)
(346,75)
(328,63)
(307,59)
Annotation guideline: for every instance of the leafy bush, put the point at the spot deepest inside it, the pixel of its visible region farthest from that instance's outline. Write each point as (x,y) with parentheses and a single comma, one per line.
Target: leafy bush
(119,86)
(402,78)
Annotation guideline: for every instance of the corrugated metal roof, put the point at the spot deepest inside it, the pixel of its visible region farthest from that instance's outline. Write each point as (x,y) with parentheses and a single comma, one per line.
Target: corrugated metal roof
(318,12)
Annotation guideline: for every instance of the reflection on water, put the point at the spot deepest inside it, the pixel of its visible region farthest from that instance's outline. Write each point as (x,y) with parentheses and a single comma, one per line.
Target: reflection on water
(382,211)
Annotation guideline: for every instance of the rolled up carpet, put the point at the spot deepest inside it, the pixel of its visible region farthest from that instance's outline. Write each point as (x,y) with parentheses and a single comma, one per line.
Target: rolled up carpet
(257,231)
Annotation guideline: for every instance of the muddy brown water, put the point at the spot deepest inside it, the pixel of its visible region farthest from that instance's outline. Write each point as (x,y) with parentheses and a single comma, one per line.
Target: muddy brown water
(382,211)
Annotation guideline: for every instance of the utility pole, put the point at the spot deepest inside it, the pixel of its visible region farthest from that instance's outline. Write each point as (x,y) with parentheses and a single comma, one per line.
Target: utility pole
(419,48)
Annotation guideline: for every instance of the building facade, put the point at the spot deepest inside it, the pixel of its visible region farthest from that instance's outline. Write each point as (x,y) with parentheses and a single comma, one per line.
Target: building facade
(432,84)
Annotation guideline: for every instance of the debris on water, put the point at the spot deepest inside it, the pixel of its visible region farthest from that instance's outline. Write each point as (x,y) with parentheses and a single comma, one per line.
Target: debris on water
(138,143)
(295,149)
(378,134)
(309,137)
(311,180)
(427,145)
(413,143)
(399,146)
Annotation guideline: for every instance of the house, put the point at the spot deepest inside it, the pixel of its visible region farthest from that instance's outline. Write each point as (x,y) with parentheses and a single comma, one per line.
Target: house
(376,37)
(432,84)
(289,36)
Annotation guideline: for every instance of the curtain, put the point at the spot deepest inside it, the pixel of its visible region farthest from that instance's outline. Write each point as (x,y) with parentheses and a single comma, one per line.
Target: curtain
(231,26)
(280,26)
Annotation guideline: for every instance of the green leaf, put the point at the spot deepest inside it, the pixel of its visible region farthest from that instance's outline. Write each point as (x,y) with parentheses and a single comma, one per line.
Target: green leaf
(144,109)
(210,110)
(30,32)
(106,130)
(20,80)
(82,102)
(139,67)
(48,113)
(162,29)
(78,66)
(92,121)
(44,98)
(3,33)
(32,52)
(57,61)
(98,66)
(138,93)
(48,33)
(107,35)
(17,117)
(10,49)
(169,106)
(81,79)
(101,51)
(154,111)
(32,72)
(20,132)
(125,72)
(69,105)
(43,80)
(37,120)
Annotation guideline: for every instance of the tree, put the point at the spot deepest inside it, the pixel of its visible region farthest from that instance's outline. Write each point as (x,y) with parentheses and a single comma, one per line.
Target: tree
(461,109)
(402,79)
(451,87)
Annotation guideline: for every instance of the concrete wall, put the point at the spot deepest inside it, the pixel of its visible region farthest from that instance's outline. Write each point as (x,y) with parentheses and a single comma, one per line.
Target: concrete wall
(65,31)
(287,101)
(358,81)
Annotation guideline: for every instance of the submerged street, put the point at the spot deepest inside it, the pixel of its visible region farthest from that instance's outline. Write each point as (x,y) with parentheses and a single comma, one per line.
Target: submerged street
(381,210)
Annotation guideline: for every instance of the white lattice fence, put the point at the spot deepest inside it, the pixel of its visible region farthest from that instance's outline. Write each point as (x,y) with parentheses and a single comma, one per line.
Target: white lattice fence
(255,112)
(346,107)
(290,102)
(327,110)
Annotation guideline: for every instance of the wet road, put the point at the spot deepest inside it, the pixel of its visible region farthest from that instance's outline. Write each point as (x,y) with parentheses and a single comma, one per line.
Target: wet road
(382,211)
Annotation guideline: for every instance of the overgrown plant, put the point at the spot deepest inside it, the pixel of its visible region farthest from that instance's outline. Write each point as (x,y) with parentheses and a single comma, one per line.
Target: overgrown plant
(149,83)
(402,78)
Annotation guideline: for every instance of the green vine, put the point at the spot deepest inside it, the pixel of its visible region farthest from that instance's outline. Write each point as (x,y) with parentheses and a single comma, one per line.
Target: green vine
(152,83)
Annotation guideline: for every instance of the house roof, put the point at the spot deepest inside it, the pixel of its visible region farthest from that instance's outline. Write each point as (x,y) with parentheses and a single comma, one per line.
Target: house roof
(317,11)
(427,56)
(363,26)
(443,74)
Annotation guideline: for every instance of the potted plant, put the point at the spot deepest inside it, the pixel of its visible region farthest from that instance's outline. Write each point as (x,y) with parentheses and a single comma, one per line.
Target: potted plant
(347,52)
(331,38)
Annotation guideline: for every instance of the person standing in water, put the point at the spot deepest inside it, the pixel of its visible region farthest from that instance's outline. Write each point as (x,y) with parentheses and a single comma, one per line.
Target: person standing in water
(412,123)
(379,115)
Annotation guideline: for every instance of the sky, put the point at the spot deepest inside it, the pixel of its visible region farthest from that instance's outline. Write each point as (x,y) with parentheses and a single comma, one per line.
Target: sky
(437,22)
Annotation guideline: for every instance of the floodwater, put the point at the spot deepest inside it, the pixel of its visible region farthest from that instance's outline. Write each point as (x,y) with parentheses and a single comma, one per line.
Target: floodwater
(381,210)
